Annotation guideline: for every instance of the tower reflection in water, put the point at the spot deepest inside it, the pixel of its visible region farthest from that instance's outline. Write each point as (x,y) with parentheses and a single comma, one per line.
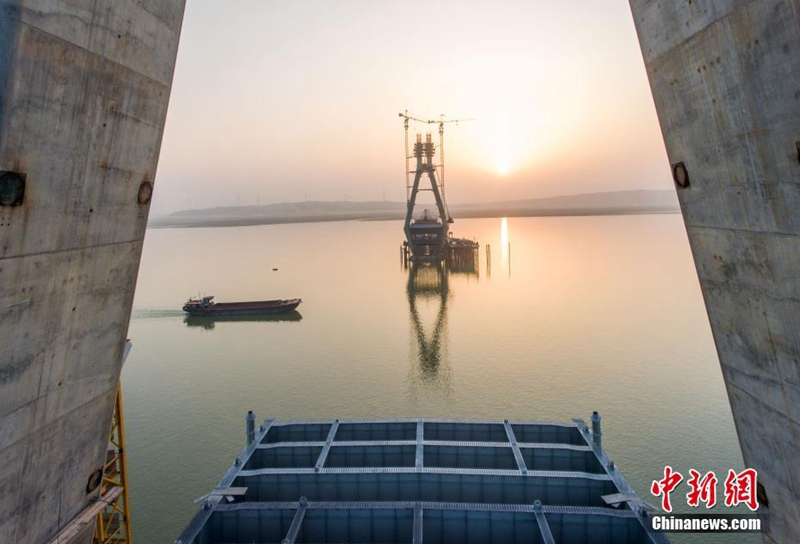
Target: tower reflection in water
(428,291)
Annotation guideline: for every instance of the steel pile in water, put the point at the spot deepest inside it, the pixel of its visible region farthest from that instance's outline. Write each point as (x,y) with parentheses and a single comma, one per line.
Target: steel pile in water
(422,480)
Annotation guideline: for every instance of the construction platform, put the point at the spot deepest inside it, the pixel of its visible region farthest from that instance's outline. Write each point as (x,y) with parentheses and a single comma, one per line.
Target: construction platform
(422,480)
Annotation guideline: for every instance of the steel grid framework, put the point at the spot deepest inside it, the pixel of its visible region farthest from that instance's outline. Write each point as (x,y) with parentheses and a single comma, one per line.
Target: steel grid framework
(421,480)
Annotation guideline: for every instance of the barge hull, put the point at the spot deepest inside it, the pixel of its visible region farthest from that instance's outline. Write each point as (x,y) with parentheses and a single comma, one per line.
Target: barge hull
(229,309)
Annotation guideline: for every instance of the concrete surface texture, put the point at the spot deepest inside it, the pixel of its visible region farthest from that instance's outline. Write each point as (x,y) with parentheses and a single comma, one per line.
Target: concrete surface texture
(84,88)
(725,77)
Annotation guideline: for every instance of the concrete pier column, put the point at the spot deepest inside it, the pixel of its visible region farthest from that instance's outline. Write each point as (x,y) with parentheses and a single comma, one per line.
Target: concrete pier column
(84,87)
(725,78)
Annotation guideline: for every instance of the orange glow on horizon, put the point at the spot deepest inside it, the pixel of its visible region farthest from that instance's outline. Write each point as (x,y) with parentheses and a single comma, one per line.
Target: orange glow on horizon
(563,110)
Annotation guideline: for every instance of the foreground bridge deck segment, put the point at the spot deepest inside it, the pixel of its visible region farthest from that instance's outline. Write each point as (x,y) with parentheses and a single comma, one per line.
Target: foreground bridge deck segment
(421,480)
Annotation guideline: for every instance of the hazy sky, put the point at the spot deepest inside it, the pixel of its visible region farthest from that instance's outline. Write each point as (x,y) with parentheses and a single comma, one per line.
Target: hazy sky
(283,101)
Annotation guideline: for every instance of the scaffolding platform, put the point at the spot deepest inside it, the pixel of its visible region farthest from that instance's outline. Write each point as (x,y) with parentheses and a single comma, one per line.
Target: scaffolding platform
(422,480)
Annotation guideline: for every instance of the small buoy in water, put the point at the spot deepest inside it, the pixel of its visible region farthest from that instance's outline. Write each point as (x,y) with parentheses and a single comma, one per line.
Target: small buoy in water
(274,269)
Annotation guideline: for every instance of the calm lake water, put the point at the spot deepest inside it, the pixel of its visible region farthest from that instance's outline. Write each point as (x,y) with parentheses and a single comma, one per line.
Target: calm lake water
(583,313)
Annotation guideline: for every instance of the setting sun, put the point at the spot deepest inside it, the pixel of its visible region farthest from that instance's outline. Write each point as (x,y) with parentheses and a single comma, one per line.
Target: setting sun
(500,148)
(506,103)
(503,167)
(499,145)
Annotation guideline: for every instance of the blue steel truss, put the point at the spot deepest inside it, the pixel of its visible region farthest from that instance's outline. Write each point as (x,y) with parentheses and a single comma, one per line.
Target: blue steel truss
(422,480)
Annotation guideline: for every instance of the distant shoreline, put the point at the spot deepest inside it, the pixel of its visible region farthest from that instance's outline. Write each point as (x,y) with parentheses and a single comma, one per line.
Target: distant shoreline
(200,222)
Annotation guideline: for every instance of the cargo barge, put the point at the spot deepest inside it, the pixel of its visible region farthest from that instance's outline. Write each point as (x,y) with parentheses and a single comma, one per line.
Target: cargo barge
(205,306)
